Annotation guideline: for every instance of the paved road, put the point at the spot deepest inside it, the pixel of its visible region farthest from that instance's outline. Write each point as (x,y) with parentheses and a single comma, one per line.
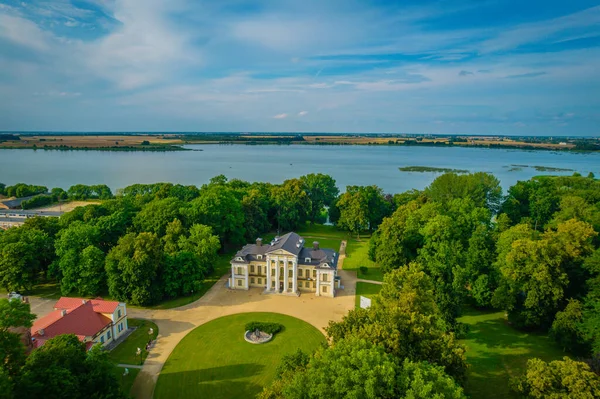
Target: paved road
(174,324)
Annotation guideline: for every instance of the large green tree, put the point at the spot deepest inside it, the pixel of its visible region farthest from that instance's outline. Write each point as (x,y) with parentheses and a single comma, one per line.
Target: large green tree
(556,380)
(538,270)
(62,368)
(292,204)
(321,190)
(132,268)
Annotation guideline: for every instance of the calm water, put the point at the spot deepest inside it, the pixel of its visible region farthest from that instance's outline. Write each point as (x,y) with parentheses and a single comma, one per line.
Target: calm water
(349,165)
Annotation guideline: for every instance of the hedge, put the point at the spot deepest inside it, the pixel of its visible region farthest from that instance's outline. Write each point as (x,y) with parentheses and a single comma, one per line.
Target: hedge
(269,328)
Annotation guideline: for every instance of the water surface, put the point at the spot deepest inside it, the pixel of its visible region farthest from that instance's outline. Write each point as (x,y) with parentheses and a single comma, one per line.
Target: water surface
(349,165)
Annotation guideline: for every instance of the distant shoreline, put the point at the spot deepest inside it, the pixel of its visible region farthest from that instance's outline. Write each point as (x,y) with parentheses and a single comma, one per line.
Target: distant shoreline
(175,142)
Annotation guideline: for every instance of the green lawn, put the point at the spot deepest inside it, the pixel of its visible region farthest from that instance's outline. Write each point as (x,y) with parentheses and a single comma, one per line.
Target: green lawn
(366,289)
(126,381)
(357,255)
(214,360)
(496,352)
(125,352)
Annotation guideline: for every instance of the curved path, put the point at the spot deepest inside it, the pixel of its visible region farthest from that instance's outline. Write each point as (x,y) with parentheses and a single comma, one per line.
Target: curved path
(174,324)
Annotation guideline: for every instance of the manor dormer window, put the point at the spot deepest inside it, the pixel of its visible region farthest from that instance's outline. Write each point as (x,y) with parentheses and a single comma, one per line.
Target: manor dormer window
(307,260)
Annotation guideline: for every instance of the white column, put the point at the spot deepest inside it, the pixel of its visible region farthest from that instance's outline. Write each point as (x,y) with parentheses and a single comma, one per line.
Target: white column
(247,280)
(232,277)
(286,274)
(318,292)
(295,276)
(277,273)
(268,273)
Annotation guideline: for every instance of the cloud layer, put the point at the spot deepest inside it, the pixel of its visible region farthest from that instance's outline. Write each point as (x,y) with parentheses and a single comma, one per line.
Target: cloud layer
(500,67)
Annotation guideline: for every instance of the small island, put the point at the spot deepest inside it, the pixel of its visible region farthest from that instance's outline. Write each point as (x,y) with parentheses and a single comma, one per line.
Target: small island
(423,169)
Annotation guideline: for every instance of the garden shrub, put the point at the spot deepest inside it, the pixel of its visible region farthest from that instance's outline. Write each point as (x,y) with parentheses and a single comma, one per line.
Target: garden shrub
(269,328)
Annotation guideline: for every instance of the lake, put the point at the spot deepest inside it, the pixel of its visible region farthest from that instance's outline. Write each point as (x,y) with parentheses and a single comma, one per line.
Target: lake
(349,165)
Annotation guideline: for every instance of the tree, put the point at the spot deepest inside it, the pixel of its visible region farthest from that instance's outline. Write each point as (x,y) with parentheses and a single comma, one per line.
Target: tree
(62,368)
(539,270)
(321,191)
(356,368)
(155,215)
(132,267)
(14,313)
(218,208)
(481,276)
(256,205)
(482,188)
(565,328)
(291,203)
(80,261)
(558,379)
(406,321)
(24,254)
(353,214)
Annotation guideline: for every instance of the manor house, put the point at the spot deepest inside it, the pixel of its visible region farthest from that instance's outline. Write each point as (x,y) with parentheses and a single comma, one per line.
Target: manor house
(285,266)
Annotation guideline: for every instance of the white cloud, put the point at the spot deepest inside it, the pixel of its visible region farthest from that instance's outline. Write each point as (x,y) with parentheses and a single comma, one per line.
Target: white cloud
(23,32)
(302,113)
(280,116)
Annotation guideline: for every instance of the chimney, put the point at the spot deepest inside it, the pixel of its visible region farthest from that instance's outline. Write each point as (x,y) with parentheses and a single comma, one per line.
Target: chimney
(83,301)
(315,245)
(259,242)
(63,313)
(41,331)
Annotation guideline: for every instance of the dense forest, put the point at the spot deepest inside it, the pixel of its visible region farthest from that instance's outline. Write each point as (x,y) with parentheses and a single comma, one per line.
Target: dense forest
(459,243)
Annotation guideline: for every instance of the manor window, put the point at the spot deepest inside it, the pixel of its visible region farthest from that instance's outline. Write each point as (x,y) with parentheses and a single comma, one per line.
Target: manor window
(251,268)
(259,269)
(299,284)
(252,280)
(239,283)
(239,270)
(290,273)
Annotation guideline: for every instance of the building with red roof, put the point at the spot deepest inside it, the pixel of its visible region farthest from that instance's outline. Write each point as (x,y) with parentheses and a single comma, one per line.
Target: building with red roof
(91,320)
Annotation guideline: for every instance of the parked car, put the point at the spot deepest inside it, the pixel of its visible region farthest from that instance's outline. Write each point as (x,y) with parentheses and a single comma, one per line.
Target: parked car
(15,295)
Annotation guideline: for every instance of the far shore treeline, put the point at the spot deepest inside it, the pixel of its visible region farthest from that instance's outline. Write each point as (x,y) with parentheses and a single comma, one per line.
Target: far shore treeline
(459,243)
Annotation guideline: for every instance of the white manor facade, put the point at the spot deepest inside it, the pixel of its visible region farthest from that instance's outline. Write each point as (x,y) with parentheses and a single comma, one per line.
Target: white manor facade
(286,266)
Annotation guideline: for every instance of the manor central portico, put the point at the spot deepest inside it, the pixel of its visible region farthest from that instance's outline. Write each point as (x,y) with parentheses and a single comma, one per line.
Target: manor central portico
(285,266)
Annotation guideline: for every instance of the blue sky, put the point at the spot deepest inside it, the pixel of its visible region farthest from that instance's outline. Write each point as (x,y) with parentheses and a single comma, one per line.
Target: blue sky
(466,67)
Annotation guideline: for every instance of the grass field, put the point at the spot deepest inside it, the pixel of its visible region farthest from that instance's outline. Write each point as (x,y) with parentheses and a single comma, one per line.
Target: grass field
(126,381)
(496,352)
(367,290)
(214,360)
(125,352)
(357,255)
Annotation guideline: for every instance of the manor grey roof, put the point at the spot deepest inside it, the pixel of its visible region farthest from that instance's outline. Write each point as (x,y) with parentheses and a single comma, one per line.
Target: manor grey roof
(292,243)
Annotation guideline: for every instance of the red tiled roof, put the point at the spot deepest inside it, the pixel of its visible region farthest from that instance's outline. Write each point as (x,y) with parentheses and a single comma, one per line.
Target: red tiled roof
(82,321)
(100,306)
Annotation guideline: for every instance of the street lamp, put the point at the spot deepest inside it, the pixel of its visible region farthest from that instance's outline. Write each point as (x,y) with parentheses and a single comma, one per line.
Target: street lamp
(139,353)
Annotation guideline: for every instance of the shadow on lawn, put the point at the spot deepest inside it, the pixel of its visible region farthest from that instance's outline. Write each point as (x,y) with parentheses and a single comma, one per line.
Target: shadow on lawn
(498,333)
(215,382)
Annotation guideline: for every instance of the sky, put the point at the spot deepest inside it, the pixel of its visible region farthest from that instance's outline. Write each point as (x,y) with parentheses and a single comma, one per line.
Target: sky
(509,67)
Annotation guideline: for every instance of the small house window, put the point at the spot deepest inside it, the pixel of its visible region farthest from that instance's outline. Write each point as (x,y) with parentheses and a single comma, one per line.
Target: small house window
(108,334)
(102,339)
(119,313)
